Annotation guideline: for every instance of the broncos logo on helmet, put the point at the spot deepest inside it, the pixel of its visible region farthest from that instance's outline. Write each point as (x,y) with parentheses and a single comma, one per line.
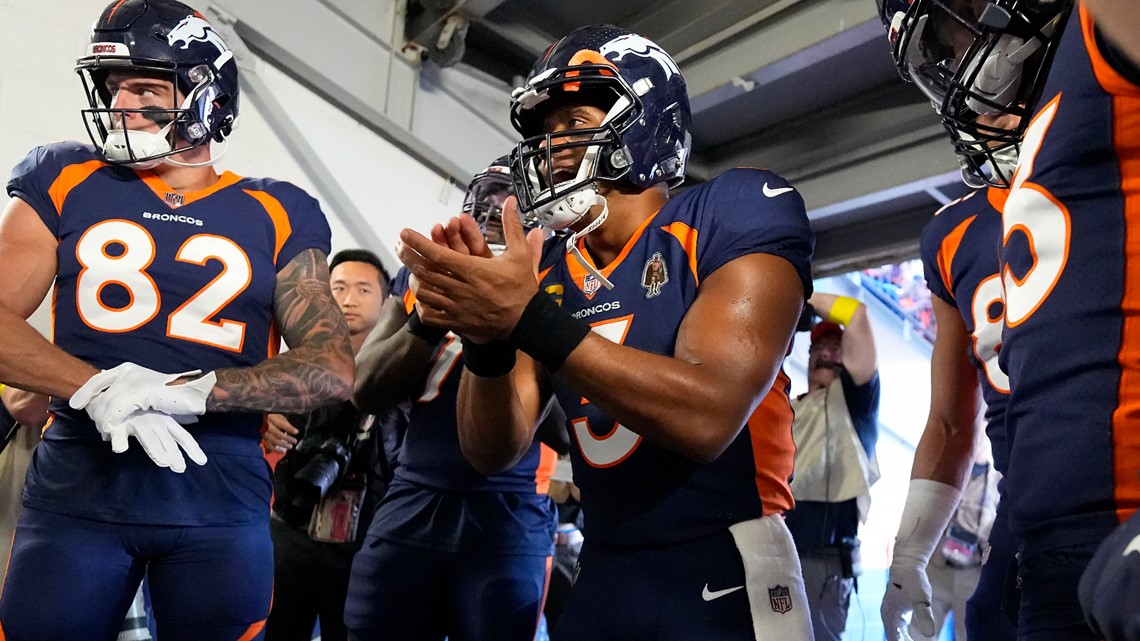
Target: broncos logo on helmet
(195,29)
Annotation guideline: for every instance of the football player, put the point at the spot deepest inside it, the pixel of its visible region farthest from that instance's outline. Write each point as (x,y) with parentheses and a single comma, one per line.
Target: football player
(960,255)
(660,324)
(159,264)
(1068,261)
(451,552)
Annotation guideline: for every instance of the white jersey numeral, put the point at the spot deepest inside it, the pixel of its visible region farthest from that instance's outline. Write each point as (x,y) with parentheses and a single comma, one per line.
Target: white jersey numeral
(1045,222)
(444,363)
(192,321)
(118,252)
(987,331)
(615,446)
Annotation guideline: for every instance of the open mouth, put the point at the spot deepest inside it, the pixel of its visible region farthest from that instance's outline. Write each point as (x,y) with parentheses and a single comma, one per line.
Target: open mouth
(564,174)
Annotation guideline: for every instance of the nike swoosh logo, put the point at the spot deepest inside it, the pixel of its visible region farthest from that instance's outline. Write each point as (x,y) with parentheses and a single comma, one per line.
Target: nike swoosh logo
(772,193)
(1133,546)
(713,596)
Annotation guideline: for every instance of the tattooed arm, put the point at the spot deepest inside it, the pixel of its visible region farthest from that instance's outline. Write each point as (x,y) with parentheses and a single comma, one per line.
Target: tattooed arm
(317,370)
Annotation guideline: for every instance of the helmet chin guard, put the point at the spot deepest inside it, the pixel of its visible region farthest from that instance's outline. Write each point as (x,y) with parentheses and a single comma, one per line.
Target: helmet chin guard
(572,239)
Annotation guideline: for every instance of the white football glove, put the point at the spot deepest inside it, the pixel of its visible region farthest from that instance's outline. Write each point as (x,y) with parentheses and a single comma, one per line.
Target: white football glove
(114,394)
(928,509)
(161,437)
(908,591)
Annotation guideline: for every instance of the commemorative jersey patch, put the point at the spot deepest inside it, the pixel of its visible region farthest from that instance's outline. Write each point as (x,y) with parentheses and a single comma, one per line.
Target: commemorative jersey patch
(654,275)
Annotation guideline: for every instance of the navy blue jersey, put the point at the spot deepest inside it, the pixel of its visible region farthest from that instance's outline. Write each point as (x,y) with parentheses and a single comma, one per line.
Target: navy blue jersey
(635,492)
(960,248)
(437,500)
(173,282)
(1071,272)
(431,455)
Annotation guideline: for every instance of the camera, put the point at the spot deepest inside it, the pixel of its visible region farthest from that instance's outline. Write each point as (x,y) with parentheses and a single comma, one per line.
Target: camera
(320,463)
(312,482)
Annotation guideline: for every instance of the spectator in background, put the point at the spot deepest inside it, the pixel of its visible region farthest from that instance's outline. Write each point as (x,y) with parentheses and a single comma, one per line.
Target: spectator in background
(835,430)
(335,459)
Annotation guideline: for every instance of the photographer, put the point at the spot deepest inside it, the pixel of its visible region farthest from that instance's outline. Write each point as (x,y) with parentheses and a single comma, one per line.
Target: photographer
(336,467)
(835,430)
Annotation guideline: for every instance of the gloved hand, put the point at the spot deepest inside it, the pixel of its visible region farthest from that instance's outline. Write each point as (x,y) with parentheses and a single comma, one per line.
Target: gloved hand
(114,394)
(928,509)
(908,590)
(160,436)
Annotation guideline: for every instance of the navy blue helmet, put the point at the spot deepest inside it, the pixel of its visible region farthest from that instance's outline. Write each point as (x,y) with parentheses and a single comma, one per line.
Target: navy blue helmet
(485,196)
(644,139)
(983,64)
(1111,582)
(163,39)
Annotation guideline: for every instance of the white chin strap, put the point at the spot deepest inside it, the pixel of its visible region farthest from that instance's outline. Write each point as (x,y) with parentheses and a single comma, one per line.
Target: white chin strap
(572,240)
(143,144)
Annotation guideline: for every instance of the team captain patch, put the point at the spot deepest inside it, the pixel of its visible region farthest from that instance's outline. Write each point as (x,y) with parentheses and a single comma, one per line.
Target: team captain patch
(781,598)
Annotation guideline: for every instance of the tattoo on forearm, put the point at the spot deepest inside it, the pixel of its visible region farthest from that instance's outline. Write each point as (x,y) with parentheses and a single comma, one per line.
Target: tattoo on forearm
(309,375)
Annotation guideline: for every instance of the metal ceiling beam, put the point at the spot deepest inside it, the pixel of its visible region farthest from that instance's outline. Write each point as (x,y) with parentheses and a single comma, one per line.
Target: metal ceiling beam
(294,140)
(365,75)
(869,243)
(781,29)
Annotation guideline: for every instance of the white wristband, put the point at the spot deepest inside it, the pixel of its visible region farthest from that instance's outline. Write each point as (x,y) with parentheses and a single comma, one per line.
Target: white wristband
(928,510)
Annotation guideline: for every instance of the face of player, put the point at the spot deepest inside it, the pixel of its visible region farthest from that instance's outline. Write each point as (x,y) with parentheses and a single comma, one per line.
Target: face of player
(357,289)
(563,119)
(134,90)
(825,357)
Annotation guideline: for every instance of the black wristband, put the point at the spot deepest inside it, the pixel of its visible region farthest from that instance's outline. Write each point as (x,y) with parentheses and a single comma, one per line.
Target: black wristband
(416,327)
(548,333)
(489,360)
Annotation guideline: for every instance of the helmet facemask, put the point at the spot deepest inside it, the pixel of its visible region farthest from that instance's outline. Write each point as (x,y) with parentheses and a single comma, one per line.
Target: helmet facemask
(974,58)
(548,193)
(484,202)
(182,123)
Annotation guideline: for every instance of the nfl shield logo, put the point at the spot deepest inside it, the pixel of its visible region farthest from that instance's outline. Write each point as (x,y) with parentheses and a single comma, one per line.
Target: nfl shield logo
(781,598)
(591,285)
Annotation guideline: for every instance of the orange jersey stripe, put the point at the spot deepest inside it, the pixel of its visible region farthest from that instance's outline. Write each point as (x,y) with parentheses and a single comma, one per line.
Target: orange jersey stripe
(253,630)
(773,449)
(409,301)
(69,178)
(546,461)
(277,214)
(949,248)
(578,273)
(688,237)
(1126,124)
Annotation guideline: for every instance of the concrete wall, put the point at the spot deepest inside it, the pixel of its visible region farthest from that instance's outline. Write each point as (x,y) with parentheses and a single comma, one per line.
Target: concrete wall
(40,99)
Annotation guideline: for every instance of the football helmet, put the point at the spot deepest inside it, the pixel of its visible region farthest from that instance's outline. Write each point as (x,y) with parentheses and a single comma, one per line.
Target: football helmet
(485,196)
(163,39)
(644,138)
(983,63)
